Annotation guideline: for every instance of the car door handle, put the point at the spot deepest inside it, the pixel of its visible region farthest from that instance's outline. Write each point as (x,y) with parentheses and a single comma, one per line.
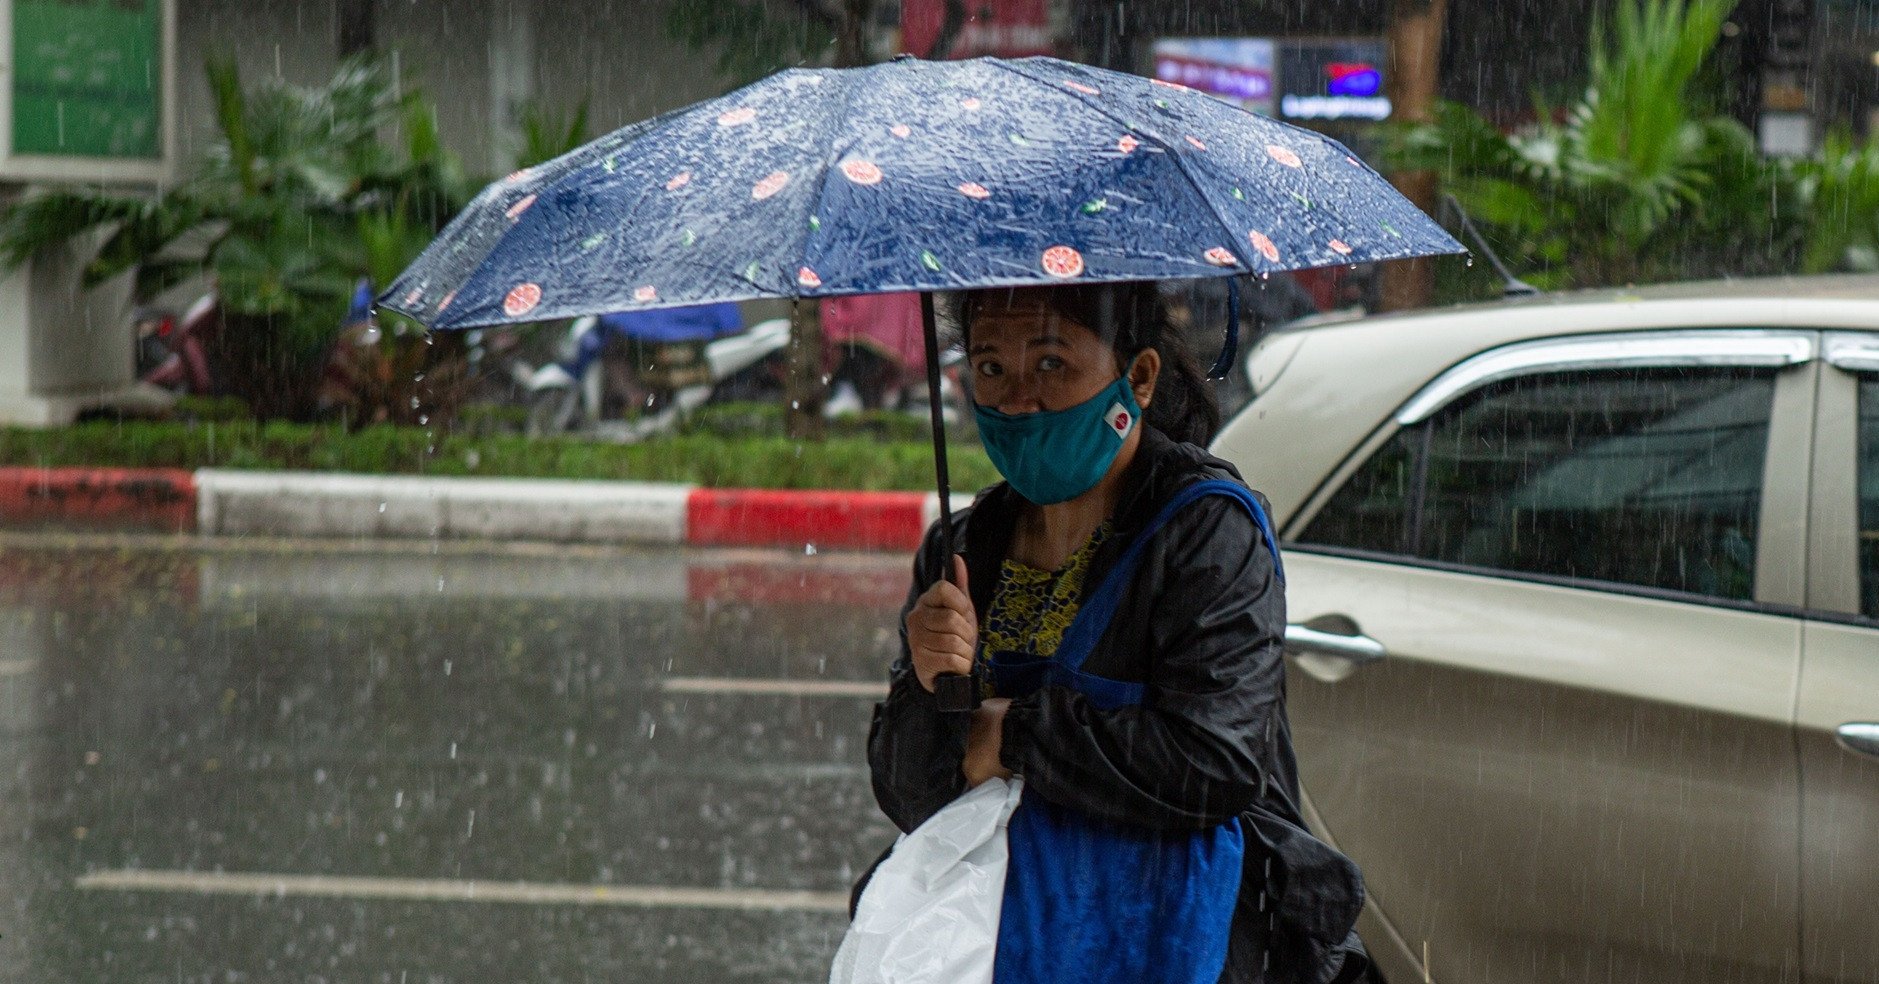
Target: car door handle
(1859,736)
(1336,637)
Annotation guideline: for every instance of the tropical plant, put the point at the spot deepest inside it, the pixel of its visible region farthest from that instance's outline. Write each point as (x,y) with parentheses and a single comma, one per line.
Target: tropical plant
(1841,187)
(1637,180)
(300,199)
(547,135)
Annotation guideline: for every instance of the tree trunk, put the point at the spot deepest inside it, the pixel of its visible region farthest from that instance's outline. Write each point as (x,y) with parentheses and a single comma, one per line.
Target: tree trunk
(805,389)
(1414,71)
(357,26)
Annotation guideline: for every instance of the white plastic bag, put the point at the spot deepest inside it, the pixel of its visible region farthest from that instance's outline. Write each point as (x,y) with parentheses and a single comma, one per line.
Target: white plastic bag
(930,913)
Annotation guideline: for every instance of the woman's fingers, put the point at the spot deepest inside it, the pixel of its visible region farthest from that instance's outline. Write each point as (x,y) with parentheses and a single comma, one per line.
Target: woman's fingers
(940,621)
(945,594)
(942,629)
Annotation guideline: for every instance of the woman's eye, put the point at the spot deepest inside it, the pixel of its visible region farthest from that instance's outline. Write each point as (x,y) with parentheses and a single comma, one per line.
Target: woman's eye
(990,369)
(1049,363)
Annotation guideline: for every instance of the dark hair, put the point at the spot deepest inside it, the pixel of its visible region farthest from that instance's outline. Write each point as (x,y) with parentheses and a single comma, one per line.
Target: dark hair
(1132,318)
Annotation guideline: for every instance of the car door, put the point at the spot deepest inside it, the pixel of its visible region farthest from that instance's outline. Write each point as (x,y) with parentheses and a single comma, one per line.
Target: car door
(1838,711)
(1547,654)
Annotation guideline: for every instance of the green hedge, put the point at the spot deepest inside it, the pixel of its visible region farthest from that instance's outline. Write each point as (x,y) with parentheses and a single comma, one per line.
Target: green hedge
(709,454)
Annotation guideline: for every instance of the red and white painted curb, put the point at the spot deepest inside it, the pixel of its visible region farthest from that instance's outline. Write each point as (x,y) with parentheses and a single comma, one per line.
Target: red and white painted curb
(314,504)
(163,498)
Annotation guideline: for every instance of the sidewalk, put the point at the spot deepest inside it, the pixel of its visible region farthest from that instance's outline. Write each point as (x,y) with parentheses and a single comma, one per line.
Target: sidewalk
(322,504)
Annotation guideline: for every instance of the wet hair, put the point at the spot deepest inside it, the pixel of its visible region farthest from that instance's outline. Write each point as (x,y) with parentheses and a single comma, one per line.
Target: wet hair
(1132,318)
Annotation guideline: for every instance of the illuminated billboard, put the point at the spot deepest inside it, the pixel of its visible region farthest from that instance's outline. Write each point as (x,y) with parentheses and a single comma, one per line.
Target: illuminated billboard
(1239,70)
(1332,80)
(1305,80)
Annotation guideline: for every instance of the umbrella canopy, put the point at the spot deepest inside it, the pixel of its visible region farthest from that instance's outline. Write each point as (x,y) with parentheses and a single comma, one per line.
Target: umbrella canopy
(910,176)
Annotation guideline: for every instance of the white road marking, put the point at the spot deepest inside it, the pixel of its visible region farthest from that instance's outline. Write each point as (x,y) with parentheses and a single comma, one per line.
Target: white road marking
(778,688)
(16,667)
(457,890)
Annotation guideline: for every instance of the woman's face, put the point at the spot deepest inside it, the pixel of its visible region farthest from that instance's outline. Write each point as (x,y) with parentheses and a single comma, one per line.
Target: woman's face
(1026,358)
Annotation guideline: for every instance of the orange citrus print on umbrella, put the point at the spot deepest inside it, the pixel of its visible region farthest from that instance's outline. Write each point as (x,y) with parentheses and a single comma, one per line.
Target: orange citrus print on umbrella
(679,180)
(515,211)
(1341,247)
(861,172)
(901,130)
(521,300)
(737,117)
(1062,261)
(646,293)
(808,278)
(1127,144)
(445,301)
(520,174)
(972,189)
(970,102)
(1220,256)
(1284,155)
(1196,142)
(1080,87)
(1264,245)
(769,185)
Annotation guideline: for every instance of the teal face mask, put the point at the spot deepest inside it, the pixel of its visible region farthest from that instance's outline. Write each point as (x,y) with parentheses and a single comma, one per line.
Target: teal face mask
(1056,455)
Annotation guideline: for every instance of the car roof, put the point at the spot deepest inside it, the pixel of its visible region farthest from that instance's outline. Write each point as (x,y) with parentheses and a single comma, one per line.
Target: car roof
(1859,287)
(1338,381)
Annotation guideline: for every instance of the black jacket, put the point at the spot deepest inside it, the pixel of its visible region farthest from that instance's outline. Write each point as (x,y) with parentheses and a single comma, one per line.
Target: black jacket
(1203,628)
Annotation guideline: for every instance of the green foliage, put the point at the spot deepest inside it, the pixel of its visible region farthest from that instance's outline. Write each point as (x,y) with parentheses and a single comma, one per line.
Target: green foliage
(1639,180)
(718,460)
(767,419)
(748,38)
(1841,187)
(300,197)
(546,135)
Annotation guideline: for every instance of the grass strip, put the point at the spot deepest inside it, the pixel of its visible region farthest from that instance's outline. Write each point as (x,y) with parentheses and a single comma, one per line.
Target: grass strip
(703,457)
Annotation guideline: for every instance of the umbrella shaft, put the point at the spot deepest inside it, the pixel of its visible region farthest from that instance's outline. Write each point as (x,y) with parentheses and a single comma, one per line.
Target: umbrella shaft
(941,561)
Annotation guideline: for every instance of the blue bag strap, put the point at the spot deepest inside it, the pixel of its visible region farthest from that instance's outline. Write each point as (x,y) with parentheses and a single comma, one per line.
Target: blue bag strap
(1093,615)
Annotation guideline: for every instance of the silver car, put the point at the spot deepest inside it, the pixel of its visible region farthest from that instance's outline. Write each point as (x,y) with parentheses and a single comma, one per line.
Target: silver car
(1585,642)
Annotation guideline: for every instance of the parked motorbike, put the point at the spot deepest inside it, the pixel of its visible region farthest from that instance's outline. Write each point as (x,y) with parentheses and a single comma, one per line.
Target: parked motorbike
(669,382)
(170,348)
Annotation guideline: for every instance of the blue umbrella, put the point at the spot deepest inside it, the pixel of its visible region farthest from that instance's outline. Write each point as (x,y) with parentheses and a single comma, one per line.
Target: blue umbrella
(911,176)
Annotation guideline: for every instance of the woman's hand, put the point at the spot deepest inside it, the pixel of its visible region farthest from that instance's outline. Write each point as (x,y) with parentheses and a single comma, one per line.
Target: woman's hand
(943,630)
(983,743)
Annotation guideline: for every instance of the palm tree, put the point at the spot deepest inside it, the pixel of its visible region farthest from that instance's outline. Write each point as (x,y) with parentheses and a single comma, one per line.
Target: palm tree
(1636,180)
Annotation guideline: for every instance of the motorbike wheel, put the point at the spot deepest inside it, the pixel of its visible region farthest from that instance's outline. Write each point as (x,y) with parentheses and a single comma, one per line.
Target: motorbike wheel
(553,412)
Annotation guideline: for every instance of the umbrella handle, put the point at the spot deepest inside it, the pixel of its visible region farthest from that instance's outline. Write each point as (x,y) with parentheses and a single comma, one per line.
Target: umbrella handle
(955,692)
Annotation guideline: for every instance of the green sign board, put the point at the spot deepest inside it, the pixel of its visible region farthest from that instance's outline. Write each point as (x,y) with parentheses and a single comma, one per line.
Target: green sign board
(88,78)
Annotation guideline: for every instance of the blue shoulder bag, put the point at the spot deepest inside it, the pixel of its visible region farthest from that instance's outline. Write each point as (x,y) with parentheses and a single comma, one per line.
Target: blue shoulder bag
(1091,901)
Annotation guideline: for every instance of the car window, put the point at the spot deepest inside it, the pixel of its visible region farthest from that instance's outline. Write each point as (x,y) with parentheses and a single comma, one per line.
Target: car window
(1649,477)
(1869,496)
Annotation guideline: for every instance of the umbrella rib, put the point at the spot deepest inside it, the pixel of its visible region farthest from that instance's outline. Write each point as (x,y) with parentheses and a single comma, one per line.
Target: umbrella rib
(1173,154)
(619,137)
(840,122)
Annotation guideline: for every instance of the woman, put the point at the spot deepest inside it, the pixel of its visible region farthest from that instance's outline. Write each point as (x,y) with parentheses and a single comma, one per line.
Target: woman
(1167,743)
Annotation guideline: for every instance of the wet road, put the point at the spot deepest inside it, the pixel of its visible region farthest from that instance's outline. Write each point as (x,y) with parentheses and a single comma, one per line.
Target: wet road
(296,762)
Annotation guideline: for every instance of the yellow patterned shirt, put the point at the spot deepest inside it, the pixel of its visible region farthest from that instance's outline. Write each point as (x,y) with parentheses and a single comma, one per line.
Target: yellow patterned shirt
(1031,608)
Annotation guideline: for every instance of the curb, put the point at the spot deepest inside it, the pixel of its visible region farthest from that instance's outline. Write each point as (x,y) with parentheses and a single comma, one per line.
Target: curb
(349,506)
(150,498)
